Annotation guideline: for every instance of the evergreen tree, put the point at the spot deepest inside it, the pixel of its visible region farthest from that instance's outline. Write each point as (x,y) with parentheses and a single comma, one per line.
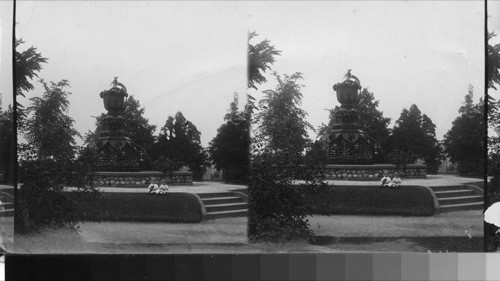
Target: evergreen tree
(28,63)
(229,150)
(260,58)
(179,142)
(413,138)
(6,145)
(464,142)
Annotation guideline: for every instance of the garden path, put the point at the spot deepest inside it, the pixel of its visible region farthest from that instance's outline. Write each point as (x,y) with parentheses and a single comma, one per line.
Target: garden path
(431,180)
(197,187)
(456,224)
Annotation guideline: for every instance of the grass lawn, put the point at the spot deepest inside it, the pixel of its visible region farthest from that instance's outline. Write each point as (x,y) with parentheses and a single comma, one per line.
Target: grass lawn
(369,200)
(143,207)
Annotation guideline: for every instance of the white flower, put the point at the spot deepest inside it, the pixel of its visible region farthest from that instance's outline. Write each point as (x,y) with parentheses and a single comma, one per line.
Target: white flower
(492,214)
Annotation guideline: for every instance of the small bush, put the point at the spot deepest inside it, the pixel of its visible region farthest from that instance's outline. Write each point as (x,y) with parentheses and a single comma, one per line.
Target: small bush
(41,201)
(278,211)
(141,207)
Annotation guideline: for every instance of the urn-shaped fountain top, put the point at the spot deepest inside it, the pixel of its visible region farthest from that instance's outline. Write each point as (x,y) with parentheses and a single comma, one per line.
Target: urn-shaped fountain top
(114,98)
(347,90)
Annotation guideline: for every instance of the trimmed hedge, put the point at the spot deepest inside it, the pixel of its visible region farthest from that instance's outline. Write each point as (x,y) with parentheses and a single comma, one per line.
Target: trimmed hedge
(370,200)
(143,207)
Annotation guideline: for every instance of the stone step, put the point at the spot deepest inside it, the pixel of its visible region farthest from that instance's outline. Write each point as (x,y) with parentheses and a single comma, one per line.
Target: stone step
(226,207)
(215,194)
(460,200)
(454,193)
(447,188)
(221,200)
(227,214)
(461,207)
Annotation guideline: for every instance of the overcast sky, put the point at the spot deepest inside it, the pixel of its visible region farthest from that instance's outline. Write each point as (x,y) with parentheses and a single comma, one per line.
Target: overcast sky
(191,56)
(172,56)
(6,52)
(424,53)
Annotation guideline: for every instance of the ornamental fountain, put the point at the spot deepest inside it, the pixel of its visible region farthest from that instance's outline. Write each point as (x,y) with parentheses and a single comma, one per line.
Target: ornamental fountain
(351,152)
(118,157)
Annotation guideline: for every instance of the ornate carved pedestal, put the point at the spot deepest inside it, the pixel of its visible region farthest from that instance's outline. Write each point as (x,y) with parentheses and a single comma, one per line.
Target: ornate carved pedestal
(115,151)
(351,152)
(118,158)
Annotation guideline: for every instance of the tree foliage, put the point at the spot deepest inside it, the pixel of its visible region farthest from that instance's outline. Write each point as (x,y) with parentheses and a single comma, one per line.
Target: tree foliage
(260,58)
(281,122)
(42,200)
(493,63)
(464,142)
(279,209)
(49,128)
(179,142)
(7,162)
(47,165)
(414,137)
(27,64)
(230,149)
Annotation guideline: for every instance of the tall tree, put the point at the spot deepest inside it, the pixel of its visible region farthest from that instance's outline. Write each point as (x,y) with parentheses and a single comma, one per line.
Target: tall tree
(6,145)
(179,141)
(464,142)
(49,128)
(260,58)
(28,63)
(414,138)
(47,165)
(230,148)
(493,63)
(281,122)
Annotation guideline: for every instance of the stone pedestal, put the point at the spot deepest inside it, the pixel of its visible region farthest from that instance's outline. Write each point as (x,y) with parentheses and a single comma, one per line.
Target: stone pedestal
(371,172)
(139,179)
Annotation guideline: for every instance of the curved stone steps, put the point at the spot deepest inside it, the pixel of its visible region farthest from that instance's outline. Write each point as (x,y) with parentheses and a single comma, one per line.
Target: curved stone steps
(458,198)
(223,205)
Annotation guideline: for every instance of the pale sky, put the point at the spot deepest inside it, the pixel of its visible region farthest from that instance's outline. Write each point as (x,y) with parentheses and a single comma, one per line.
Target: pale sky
(424,53)
(172,56)
(191,56)
(6,52)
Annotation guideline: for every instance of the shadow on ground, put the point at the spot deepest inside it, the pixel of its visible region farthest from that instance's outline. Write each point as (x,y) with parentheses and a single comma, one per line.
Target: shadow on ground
(414,244)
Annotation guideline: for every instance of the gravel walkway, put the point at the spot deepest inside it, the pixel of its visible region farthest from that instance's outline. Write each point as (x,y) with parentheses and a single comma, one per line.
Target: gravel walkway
(431,180)
(197,187)
(445,224)
(226,230)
